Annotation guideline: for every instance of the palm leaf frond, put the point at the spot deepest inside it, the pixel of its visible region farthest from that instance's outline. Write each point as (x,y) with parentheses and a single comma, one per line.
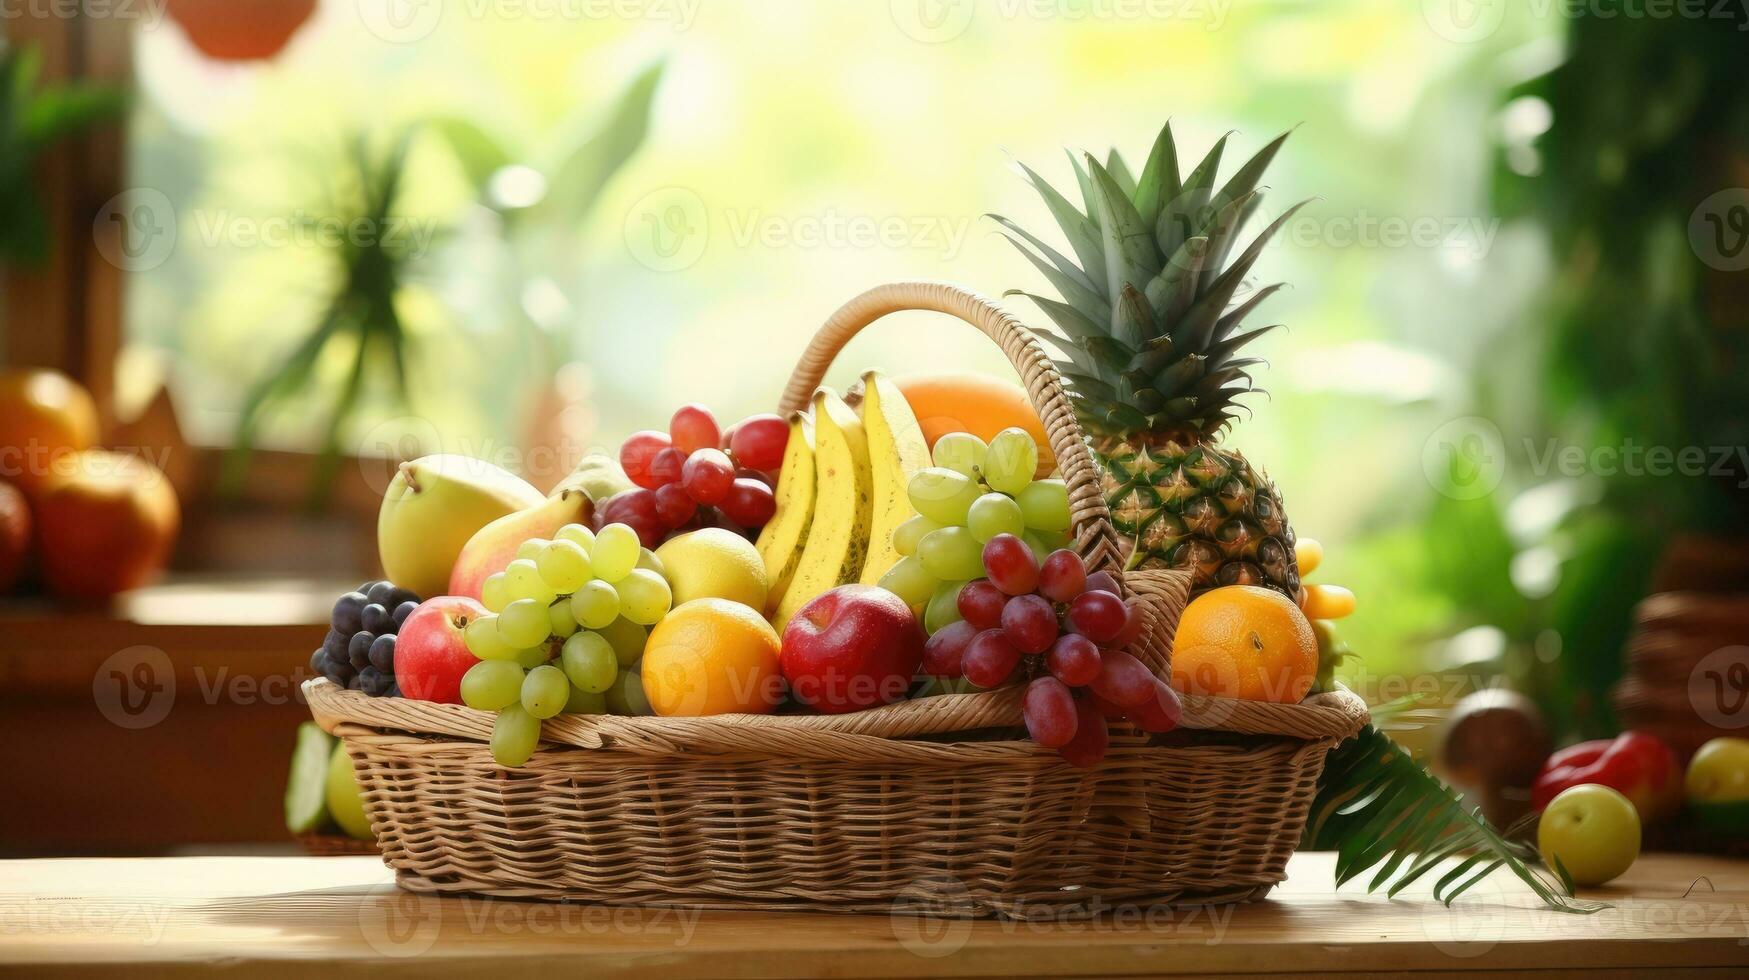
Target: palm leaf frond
(1378,808)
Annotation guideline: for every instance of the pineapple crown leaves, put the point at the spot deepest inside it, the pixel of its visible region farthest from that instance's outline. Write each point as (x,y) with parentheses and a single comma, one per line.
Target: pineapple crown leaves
(1377,807)
(1148,317)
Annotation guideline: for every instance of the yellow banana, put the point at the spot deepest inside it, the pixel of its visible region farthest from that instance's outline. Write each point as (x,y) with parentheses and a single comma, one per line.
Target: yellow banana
(780,543)
(843,506)
(896,450)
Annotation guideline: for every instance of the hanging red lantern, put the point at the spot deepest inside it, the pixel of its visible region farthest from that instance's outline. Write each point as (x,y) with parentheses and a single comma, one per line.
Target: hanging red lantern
(240,30)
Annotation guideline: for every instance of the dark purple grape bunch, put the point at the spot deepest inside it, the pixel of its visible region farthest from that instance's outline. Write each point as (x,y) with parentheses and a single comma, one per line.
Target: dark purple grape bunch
(359,650)
(1064,633)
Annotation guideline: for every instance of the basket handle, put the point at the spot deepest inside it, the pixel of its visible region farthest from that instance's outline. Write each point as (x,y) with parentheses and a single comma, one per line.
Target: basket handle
(1095,538)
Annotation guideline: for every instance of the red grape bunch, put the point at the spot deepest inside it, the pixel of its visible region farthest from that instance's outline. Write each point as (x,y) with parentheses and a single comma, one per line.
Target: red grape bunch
(695,475)
(1063,632)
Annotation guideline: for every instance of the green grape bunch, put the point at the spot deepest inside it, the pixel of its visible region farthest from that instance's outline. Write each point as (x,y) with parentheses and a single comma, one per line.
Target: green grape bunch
(566,628)
(974,492)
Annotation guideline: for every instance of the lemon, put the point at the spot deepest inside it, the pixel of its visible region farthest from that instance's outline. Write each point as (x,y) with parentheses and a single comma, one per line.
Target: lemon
(713,563)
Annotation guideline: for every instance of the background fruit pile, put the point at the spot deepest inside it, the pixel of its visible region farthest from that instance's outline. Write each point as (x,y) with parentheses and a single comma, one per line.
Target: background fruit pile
(88,522)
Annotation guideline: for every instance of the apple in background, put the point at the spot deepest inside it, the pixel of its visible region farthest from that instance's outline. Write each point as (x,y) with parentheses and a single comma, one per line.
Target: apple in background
(854,647)
(430,657)
(1593,830)
(105,523)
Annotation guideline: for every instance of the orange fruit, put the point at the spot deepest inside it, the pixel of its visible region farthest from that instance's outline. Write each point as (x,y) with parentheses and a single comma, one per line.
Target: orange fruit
(45,416)
(1245,641)
(712,657)
(963,401)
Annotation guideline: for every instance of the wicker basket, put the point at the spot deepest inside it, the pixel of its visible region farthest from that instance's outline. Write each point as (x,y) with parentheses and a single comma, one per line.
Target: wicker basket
(936,805)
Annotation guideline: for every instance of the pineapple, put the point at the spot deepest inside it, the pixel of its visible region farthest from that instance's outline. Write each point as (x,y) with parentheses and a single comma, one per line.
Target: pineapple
(1150,324)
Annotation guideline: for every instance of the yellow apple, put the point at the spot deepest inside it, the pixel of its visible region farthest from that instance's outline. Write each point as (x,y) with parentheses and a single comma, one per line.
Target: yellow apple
(1592,830)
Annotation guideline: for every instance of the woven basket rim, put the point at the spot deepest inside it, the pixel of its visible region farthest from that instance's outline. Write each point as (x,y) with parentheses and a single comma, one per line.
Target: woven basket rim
(1334,715)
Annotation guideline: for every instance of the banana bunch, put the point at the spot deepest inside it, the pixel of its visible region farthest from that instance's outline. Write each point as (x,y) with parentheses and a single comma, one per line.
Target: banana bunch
(840,494)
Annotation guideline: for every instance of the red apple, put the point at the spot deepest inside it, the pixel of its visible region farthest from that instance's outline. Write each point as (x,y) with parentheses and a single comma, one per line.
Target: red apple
(430,657)
(105,523)
(854,647)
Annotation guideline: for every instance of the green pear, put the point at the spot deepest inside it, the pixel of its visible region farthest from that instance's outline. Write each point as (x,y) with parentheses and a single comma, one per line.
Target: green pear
(306,792)
(345,804)
(431,509)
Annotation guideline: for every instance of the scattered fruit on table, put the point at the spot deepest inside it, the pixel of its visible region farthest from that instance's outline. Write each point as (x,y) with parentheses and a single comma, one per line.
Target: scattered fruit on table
(838,539)
(1493,746)
(1718,786)
(965,401)
(1155,360)
(431,509)
(781,540)
(974,492)
(896,451)
(345,803)
(105,523)
(494,546)
(850,648)
(363,634)
(1590,830)
(306,789)
(714,563)
(431,650)
(1636,764)
(1245,641)
(693,476)
(1061,631)
(45,417)
(712,657)
(15,535)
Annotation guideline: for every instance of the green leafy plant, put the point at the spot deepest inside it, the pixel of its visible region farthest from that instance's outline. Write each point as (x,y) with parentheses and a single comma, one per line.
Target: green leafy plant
(34,117)
(362,320)
(1378,808)
(361,315)
(542,232)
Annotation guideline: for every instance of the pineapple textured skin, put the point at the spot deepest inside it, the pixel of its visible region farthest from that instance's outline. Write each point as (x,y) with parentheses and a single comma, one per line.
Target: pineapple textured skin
(1150,322)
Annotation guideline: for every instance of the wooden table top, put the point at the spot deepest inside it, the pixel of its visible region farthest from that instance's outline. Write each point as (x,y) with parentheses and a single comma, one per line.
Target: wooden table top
(342,917)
